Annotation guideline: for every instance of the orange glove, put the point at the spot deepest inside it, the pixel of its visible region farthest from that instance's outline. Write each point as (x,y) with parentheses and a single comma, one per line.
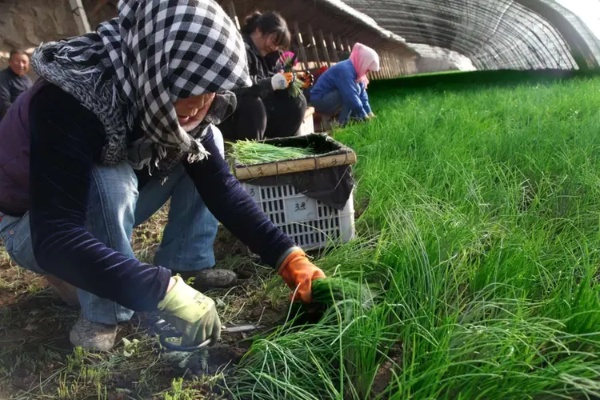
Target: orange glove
(307,79)
(298,273)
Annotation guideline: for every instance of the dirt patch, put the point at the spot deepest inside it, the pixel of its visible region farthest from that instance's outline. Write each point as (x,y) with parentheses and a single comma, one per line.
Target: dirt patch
(383,377)
(34,339)
(220,359)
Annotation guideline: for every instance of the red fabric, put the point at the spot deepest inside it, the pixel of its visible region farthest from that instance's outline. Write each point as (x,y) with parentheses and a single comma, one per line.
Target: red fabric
(319,72)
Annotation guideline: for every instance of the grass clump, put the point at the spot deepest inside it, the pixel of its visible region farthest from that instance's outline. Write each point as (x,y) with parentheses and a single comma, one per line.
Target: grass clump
(249,152)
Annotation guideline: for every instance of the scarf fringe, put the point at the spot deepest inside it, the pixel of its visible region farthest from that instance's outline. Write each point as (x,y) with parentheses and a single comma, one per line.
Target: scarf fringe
(198,152)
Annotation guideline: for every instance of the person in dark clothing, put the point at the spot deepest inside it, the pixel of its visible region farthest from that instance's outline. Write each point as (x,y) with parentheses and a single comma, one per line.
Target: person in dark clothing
(13,80)
(266,109)
(101,142)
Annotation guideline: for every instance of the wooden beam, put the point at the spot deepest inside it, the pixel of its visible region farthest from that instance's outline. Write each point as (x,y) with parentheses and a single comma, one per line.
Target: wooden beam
(233,14)
(81,19)
(99,6)
(394,65)
(340,46)
(313,41)
(349,45)
(334,51)
(387,69)
(321,38)
(301,48)
(383,68)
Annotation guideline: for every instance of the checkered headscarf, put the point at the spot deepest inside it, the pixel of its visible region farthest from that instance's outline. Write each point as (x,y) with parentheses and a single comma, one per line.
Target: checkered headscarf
(134,67)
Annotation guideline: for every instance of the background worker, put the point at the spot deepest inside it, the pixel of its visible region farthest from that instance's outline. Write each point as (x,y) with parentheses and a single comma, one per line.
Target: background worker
(266,109)
(342,89)
(14,79)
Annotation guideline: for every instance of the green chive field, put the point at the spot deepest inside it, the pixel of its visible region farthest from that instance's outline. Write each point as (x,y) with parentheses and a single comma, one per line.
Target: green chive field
(480,236)
(474,273)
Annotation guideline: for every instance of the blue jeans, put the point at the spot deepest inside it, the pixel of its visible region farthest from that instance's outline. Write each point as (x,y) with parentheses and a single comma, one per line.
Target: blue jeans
(331,104)
(115,208)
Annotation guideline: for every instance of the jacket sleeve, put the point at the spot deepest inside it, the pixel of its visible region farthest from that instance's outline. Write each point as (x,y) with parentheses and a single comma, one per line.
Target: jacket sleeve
(350,92)
(261,86)
(5,102)
(364,98)
(234,208)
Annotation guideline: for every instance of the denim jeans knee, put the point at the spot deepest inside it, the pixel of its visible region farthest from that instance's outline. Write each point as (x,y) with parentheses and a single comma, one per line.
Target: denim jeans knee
(110,218)
(16,235)
(329,104)
(189,235)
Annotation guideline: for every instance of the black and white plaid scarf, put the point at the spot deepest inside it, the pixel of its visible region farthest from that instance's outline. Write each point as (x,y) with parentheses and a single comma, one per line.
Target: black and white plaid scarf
(134,67)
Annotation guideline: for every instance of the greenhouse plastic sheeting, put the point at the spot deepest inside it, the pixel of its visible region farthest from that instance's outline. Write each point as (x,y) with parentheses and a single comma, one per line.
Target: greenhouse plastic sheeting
(496,34)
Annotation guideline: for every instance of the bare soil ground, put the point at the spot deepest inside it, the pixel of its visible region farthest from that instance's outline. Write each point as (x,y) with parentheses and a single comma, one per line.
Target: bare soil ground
(38,362)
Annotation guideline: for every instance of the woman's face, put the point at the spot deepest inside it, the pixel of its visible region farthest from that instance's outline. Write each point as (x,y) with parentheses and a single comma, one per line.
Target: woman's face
(192,110)
(265,42)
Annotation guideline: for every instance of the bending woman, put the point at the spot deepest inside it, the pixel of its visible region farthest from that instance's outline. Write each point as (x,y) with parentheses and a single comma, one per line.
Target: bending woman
(266,109)
(120,121)
(342,89)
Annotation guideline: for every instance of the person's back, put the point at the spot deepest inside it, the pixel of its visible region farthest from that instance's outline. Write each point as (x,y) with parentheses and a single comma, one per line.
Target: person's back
(13,80)
(338,74)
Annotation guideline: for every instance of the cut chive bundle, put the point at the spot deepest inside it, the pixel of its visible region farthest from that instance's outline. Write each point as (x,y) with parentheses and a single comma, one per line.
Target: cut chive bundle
(329,291)
(249,152)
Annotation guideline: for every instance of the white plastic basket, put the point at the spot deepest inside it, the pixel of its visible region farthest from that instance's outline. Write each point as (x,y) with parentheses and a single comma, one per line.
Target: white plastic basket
(310,223)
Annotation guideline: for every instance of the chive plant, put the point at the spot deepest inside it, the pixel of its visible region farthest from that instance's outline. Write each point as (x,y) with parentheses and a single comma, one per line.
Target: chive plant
(479,232)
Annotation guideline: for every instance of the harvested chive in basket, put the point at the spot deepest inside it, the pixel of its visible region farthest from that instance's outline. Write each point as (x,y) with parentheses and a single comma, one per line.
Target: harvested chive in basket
(249,152)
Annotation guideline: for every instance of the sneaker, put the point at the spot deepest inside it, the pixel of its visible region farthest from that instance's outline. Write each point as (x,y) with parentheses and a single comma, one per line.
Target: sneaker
(64,290)
(93,336)
(210,278)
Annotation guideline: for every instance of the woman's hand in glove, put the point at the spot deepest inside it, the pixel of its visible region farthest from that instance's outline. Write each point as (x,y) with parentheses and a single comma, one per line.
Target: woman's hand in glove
(193,314)
(298,273)
(282,80)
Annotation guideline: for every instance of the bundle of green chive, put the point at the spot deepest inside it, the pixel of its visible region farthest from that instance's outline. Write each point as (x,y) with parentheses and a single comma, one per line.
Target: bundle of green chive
(249,152)
(332,290)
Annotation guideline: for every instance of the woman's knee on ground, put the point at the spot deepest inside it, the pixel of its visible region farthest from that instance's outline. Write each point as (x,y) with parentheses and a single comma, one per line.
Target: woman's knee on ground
(15,232)
(113,189)
(285,114)
(112,202)
(330,105)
